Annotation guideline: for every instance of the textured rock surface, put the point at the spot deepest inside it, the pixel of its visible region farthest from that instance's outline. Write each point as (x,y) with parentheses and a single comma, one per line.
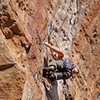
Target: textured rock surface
(77,33)
(72,25)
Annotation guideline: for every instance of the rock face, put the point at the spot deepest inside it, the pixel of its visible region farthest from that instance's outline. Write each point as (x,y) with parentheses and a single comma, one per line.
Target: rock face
(72,25)
(87,49)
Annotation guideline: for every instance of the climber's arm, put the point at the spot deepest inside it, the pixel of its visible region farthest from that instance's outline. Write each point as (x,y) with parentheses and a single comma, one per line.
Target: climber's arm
(56,49)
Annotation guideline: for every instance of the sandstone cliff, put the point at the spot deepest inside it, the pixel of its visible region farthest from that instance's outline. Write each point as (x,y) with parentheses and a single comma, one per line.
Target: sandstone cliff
(72,25)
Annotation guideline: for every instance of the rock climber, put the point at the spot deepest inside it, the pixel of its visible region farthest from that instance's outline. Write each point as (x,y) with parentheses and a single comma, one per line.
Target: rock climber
(60,66)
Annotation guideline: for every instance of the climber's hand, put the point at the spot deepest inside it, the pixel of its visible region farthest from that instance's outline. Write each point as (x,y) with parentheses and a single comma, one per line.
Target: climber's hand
(75,71)
(46,43)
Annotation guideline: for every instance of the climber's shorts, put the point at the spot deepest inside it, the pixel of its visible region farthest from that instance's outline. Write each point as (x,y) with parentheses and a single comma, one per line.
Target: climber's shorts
(59,75)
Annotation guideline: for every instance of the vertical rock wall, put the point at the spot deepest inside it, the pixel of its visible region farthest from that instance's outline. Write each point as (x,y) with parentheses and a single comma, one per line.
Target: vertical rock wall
(87,49)
(76,31)
(72,25)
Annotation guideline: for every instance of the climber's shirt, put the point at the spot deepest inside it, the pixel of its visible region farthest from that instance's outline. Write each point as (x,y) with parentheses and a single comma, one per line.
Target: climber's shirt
(62,65)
